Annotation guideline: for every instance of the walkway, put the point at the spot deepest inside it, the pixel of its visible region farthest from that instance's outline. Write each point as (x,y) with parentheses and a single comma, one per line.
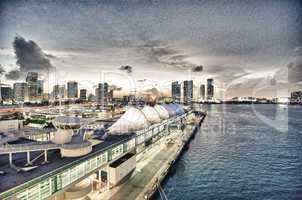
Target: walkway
(150,167)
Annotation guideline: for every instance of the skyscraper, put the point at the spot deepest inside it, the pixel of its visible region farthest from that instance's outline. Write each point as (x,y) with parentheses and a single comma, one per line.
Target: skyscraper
(40,88)
(210,89)
(102,94)
(110,95)
(32,83)
(188,91)
(58,91)
(176,91)
(6,93)
(296,97)
(202,91)
(72,89)
(20,92)
(83,94)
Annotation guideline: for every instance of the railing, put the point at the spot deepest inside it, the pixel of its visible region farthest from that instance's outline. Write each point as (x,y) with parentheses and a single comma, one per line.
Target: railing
(40,146)
(27,147)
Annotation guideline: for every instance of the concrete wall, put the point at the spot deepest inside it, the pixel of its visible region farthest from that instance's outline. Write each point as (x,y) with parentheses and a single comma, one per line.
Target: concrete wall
(9,125)
(76,152)
(118,173)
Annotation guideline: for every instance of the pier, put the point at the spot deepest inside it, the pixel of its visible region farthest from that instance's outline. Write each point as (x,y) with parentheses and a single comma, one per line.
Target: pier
(154,166)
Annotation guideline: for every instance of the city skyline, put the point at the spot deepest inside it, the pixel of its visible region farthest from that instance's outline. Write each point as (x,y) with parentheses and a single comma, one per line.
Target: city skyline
(258,53)
(150,99)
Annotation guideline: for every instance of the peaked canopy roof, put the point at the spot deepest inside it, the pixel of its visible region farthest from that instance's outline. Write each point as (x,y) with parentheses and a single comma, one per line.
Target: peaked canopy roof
(170,110)
(151,114)
(163,113)
(132,120)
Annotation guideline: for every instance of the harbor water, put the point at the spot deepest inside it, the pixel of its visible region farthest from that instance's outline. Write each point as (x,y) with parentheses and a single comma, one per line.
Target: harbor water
(242,152)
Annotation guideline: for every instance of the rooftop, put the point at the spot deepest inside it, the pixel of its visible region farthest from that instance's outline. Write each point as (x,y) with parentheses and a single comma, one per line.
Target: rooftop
(56,163)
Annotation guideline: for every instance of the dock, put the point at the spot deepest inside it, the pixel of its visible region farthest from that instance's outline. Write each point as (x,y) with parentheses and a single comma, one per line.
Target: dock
(153,168)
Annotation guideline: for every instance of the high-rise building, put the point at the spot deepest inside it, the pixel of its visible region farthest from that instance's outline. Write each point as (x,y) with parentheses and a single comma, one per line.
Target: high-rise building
(20,92)
(176,88)
(210,89)
(102,94)
(296,97)
(110,95)
(58,91)
(32,77)
(188,91)
(32,84)
(72,90)
(40,88)
(5,93)
(202,91)
(83,94)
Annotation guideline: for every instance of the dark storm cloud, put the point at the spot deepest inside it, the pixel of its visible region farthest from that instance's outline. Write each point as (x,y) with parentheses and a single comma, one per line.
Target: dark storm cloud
(126,68)
(2,71)
(30,56)
(159,52)
(295,71)
(241,36)
(14,75)
(198,68)
(226,73)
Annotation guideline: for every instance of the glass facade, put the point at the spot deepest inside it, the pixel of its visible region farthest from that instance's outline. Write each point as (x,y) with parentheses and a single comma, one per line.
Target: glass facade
(55,183)
(52,184)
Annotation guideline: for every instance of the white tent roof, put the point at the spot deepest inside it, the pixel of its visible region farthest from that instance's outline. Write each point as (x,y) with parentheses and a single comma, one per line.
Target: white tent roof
(151,114)
(132,120)
(163,113)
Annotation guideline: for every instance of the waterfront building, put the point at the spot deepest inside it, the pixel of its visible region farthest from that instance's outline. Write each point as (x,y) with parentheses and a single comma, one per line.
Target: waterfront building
(210,89)
(296,97)
(83,94)
(68,159)
(72,90)
(32,83)
(20,92)
(188,91)
(176,91)
(202,92)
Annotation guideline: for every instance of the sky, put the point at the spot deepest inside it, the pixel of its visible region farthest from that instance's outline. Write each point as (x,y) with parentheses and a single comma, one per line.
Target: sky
(250,48)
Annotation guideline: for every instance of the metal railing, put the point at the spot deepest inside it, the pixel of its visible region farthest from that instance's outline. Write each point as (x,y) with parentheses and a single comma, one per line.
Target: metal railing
(33,146)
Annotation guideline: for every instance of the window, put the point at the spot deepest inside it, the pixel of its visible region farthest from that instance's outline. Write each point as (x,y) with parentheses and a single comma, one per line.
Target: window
(73,174)
(115,152)
(65,178)
(93,163)
(87,166)
(22,195)
(102,159)
(33,192)
(81,171)
(45,188)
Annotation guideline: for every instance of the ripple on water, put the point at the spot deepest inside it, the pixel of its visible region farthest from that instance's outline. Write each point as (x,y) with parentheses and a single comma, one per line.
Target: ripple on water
(253,162)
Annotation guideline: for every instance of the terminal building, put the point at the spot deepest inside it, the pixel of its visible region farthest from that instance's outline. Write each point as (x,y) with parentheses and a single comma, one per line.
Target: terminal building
(80,155)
